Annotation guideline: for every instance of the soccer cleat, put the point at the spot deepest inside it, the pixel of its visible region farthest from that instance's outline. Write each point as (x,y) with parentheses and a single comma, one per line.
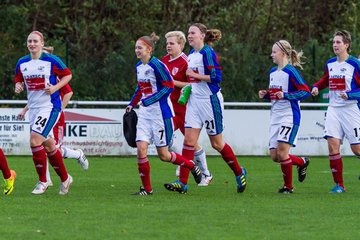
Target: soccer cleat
(82,160)
(64,186)
(9,183)
(40,188)
(142,192)
(286,190)
(196,172)
(302,170)
(241,181)
(176,186)
(206,180)
(337,189)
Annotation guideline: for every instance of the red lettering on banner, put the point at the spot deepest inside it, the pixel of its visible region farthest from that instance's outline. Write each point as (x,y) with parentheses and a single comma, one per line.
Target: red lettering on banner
(145,87)
(337,84)
(35,84)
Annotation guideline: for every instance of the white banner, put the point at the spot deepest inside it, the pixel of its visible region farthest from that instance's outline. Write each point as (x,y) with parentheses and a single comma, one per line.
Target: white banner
(100,132)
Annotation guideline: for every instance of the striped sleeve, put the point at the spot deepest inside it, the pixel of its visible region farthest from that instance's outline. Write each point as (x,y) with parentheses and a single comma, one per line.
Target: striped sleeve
(354,94)
(211,64)
(298,84)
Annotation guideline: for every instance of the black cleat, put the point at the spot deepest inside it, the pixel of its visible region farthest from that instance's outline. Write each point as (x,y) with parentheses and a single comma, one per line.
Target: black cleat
(142,192)
(196,172)
(285,190)
(241,181)
(302,170)
(176,186)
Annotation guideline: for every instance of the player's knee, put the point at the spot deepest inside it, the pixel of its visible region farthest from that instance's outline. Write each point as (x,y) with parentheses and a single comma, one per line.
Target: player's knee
(165,157)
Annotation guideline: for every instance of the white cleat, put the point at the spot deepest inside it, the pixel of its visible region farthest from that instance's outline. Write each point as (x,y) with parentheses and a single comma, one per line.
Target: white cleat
(40,188)
(82,160)
(64,186)
(205,180)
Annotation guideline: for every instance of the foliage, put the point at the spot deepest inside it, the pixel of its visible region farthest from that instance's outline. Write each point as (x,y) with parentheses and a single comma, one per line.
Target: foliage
(96,38)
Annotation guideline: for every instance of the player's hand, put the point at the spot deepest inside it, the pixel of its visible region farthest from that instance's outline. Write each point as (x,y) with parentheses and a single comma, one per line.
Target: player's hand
(262,93)
(21,115)
(279,95)
(315,91)
(344,96)
(128,108)
(19,87)
(49,89)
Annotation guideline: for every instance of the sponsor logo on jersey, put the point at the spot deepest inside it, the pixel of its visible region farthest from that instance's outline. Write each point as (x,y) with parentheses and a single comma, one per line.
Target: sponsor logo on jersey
(147,72)
(174,71)
(24,70)
(343,70)
(34,76)
(41,68)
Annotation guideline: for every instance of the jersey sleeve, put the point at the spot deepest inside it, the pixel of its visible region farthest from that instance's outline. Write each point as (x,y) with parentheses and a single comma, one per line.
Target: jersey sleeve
(324,81)
(135,99)
(299,89)
(354,94)
(59,67)
(18,74)
(211,65)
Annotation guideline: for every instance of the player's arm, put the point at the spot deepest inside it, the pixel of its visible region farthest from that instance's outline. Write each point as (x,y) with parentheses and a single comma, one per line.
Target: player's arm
(321,84)
(302,89)
(19,80)
(66,98)
(21,115)
(354,94)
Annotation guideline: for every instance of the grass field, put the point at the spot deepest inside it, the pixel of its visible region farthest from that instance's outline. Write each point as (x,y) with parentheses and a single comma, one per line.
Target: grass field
(99,204)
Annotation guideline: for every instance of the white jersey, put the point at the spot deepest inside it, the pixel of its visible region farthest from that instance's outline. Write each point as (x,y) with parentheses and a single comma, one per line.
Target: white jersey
(204,62)
(37,74)
(153,89)
(341,77)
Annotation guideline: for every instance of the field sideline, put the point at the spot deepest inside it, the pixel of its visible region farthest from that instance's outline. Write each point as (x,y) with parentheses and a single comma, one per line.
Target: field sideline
(99,204)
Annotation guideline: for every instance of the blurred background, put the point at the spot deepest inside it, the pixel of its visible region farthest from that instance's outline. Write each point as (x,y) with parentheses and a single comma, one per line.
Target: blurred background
(96,38)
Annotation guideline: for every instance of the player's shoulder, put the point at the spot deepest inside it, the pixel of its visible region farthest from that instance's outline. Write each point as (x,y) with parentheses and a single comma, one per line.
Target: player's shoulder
(331,60)
(25,58)
(353,61)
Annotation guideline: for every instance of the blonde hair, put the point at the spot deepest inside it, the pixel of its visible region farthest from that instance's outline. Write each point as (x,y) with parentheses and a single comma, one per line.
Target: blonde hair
(181,39)
(211,35)
(39,34)
(150,41)
(292,54)
(49,49)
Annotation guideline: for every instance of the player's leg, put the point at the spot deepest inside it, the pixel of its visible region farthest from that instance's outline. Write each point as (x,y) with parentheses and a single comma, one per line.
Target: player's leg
(200,159)
(143,168)
(286,166)
(9,175)
(77,154)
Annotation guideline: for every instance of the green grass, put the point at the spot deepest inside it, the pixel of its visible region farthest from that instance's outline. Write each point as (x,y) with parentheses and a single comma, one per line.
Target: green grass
(99,204)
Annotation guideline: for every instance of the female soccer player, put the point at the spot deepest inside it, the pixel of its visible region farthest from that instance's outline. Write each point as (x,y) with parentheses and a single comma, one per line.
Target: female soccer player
(286,89)
(59,128)
(38,72)
(205,105)
(342,76)
(9,175)
(176,62)
(154,85)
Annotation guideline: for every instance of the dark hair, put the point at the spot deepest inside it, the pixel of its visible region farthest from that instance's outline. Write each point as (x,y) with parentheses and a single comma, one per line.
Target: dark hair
(346,37)
(150,41)
(211,35)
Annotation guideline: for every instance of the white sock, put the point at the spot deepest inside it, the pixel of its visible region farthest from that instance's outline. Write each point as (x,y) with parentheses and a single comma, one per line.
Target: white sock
(177,142)
(70,153)
(200,158)
(47,171)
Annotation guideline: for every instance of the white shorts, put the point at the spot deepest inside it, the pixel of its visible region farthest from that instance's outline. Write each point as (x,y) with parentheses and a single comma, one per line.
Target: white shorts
(343,122)
(285,132)
(157,131)
(42,120)
(207,111)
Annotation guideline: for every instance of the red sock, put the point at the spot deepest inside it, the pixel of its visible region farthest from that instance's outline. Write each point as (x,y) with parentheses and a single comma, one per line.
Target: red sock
(229,157)
(187,153)
(286,168)
(177,159)
(336,166)
(144,172)
(57,162)
(298,161)
(4,166)
(39,158)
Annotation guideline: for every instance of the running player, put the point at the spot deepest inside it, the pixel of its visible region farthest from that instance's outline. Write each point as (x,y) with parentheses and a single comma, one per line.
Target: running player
(38,73)
(9,175)
(58,130)
(176,62)
(342,76)
(154,85)
(205,105)
(286,89)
